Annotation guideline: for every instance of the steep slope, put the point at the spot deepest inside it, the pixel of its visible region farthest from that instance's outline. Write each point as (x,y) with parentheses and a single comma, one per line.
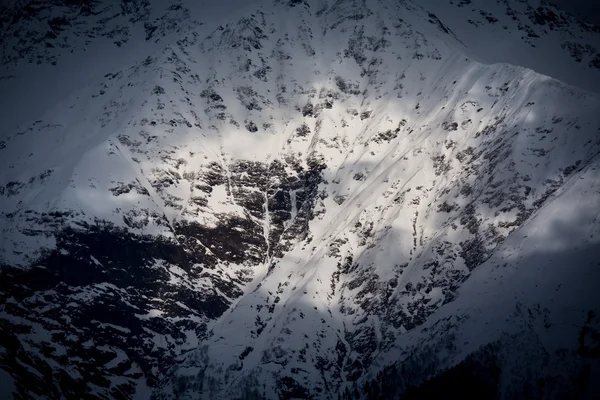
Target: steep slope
(534,34)
(527,317)
(288,202)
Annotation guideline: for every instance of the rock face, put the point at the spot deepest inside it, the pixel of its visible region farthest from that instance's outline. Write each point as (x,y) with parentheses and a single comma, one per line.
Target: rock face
(305,199)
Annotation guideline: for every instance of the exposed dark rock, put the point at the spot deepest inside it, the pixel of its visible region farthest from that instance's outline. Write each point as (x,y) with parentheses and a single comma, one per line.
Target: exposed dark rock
(123,277)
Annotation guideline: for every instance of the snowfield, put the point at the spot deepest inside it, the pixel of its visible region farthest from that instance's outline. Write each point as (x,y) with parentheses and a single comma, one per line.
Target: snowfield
(298,198)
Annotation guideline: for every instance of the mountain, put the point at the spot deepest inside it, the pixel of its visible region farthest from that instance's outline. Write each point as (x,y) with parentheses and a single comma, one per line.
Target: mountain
(298,199)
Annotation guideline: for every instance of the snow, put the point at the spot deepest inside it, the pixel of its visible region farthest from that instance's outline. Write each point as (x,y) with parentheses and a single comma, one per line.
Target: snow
(142,391)
(152,314)
(7,385)
(120,357)
(103,325)
(436,119)
(509,45)
(96,261)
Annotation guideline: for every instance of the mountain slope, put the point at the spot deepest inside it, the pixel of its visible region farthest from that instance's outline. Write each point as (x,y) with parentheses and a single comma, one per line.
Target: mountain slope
(289,201)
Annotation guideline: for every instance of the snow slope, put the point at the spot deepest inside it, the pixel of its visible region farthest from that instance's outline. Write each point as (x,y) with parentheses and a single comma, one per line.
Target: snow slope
(286,199)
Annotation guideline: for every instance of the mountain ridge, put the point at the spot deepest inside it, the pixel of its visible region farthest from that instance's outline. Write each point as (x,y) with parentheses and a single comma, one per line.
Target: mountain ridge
(287,205)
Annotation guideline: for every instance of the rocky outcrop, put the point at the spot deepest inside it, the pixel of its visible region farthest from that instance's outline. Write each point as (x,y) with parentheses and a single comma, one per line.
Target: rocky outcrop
(287,203)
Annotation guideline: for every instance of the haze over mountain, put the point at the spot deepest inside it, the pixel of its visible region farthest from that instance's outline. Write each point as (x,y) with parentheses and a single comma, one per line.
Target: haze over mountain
(298,199)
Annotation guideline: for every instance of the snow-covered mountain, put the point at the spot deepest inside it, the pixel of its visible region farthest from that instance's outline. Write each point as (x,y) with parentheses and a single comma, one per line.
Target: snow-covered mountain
(298,199)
